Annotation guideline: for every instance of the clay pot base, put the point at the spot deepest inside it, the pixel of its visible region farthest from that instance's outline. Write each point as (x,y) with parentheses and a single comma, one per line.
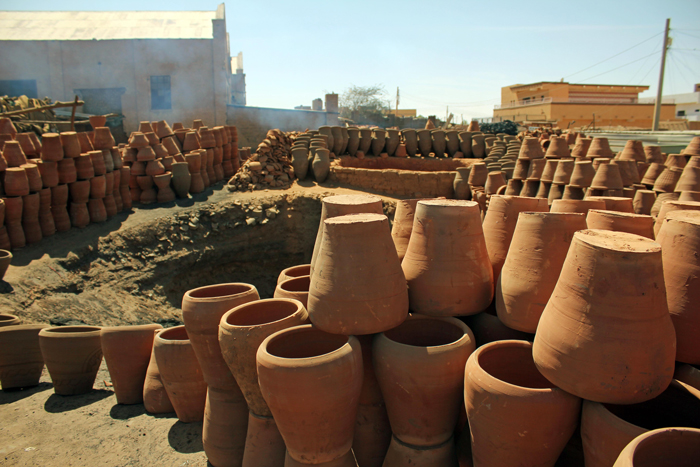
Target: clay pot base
(348,460)
(264,446)
(401,455)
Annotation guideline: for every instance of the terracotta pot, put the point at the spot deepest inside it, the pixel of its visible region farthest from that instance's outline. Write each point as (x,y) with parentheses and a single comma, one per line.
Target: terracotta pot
(643,201)
(607,428)
(446,263)
(98,187)
(378,141)
(403,225)
(194,161)
(202,309)
(85,143)
(679,238)
(638,224)
(340,205)
(51,148)
(5,260)
(562,175)
(676,160)
(79,215)
(66,171)
(80,191)
(419,366)
(460,186)
(127,352)
(687,374)
(300,162)
(155,397)
(365,140)
(59,195)
(242,330)
(410,138)
(13,209)
(97,210)
(33,176)
(181,178)
(103,138)
(425,142)
(337,140)
(531,269)
(224,429)
(677,447)
(48,173)
(499,225)
(98,162)
(478,175)
(667,180)
(583,174)
(599,147)
(61,218)
(73,355)
(21,362)
(670,206)
(13,154)
(495,181)
(356,252)
(294,271)
(638,336)
(478,145)
(70,143)
(180,373)
(321,165)
(125,194)
(16,182)
(530,149)
(614,203)
(296,288)
(83,167)
(197,184)
(529,420)
(165,193)
(9,320)
(321,373)
(402,454)
(154,168)
(530,189)
(264,446)
(353,141)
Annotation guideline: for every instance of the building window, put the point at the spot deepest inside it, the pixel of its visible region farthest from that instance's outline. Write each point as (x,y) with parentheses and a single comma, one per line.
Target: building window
(681,113)
(160,93)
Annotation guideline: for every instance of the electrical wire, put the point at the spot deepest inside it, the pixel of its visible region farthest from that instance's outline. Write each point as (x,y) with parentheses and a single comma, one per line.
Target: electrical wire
(686,34)
(656,49)
(621,66)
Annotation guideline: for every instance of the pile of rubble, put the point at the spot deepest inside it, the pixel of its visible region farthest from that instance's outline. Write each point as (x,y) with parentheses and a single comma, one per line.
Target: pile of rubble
(269,167)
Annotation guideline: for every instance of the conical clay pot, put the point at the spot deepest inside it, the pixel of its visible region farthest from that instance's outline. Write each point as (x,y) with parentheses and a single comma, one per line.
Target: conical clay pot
(403,224)
(72,355)
(127,351)
(224,428)
(155,397)
(321,374)
(321,165)
(461,187)
(21,362)
(610,281)
(357,253)
(531,270)
(264,446)
(666,447)
(638,224)
(446,263)
(516,416)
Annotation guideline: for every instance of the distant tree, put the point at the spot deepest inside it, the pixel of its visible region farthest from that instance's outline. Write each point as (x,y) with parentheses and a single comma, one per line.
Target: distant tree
(363,103)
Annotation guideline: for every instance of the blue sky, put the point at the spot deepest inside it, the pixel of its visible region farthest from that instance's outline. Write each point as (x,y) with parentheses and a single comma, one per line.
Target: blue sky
(441,53)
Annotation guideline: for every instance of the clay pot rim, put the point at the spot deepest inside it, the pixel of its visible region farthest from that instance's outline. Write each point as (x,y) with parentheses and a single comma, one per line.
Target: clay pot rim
(446,203)
(250,308)
(344,350)
(628,215)
(294,280)
(290,271)
(617,242)
(467,335)
(7,317)
(173,336)
(356,218)
(644,444)
(5,253)
(70,332)
(130,329)
(235,289)
(681,215)
(23,327)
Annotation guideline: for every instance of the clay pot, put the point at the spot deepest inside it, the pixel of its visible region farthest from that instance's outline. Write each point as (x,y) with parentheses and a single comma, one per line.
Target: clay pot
(51,148)
(300,162)
(425,142)
(48,173)
(419,367)
(667,180)
(294,271)
(98,163)
(66,171)
(16,182)
(461,187)
(83,167)
(356,251)
(320,372)
(181,178)
(402,454)
(378,141)
(410,138)
(103,138)
(607,177)
(59,195)
(531,269)
(499,225)
(21,362)
(687,374)
(529,420)
(530,188)
(264,445)
(452,142)
(643,201)
(615,203)
(337,133)
(563,173)
(33,177)
(679,238)
(202,309)
(403,225)
(155,397)
(70,143)
(5,260)
(521,169)
(80,191)
(495,181)
(478,174)
(98,187)
(446,263)
(638,336)
(165,193)
(224,428)
(638,224)
(599,147)
(670,206)
(583,175)
(8,320)
(73,355)
(581,206)
(677,447)
(125,194)
(180,373)
(14,206)
(296,288)
(79,215)
(13,154)
(97,210)
(365,140)
(321,165)
(530,149)
(676,160)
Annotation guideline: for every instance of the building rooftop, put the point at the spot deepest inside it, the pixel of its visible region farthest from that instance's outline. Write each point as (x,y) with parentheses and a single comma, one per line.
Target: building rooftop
(635,86)
(106,25)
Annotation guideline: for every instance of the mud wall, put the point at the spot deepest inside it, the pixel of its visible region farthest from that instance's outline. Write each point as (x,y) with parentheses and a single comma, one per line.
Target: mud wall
(411,183)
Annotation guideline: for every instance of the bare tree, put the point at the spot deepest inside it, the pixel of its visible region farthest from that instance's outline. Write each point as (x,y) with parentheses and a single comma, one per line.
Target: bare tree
(362,102)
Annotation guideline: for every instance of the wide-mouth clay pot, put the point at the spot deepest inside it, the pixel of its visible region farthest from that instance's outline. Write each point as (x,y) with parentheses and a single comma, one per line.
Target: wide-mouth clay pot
(21,362)
(8,320)
(294,271)
(666,447)
(296,288)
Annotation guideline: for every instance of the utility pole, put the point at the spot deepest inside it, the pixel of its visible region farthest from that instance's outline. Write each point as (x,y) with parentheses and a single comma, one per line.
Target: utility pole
(397,101)
(657,104)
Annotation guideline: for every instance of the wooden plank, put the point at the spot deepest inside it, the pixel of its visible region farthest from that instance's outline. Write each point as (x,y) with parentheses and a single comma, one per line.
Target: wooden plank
(55,105)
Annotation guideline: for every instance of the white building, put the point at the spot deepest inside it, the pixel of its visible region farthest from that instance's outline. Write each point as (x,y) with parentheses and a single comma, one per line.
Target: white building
(146,65)
(687,105)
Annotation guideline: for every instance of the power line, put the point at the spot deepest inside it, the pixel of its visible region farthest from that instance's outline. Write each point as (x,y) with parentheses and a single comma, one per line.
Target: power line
(686,34)
(617,54)
(656,49)
(621,66)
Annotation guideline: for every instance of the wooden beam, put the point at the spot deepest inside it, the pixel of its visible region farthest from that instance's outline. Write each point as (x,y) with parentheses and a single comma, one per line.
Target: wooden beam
(55,105)
(72,114)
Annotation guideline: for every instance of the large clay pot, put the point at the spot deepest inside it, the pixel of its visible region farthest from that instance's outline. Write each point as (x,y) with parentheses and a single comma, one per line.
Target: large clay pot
(300,162)
(51,148)
(181,374)
(425,142)
(495,181)
(321,165)
(410,138)
(499,225)
(353,141)
(21,362)
(615,203)
(679,238)
(452,142)
(420,369)
(155,397)
(365,140)
(327,131)
(294,271)
(516,416)
(182,179)
(379,141)
(439,142)
(612,281)
(460,186)
(465,143)
(531,269)
(666,447)
(478,174)
(392,141)
(202,309)
(372,431)
(322,374)
(638,224)
(72,355)
(671,206)
(581,206)
(79,215)
(357,253)
(296,288)
(264,446)
(478,145)
(13,154)
(446,263)
(607,428)
(16,182)
(403,225)
(127,352)
(224,428)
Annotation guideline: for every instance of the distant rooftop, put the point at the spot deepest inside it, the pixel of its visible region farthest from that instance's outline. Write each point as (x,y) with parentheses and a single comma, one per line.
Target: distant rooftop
(106,25)
(636,86)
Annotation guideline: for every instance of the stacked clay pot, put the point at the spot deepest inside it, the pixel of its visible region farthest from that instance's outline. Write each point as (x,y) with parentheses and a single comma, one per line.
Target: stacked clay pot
(21,361)
(155,396)
(403,225)
(667,447)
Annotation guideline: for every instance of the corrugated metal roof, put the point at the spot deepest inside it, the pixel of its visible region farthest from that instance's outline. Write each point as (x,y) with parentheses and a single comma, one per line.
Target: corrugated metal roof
(105,25)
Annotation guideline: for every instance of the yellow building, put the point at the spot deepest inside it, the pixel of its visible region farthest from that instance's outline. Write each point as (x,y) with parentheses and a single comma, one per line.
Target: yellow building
(403,112)
(577,105)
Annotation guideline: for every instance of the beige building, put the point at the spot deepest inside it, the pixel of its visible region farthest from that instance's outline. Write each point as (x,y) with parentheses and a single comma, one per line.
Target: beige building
(145,65)
(567,104)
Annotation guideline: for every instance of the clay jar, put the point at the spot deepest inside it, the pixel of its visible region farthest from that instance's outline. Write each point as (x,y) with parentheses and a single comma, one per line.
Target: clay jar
(8,320)
(16,182)
(403,225)
(224,428)
(410,138)
(516,416)
(357,253)
(296,288)
(425,142)
(322,374)
(612,282)
(181,373)
(615,203)
(531,270)
(21,362)
(202,309)
(638,224)
(5,256)
(420,370)
(321,165)
(378,141)
(679,238)
(294,271)
(668,447)
(182,179)
(581,206)
(607,428)
(499,225)
(127,352)
(460,185)
(670,206)
(155,397)
(300,162)
(446,263)
(439,143)
(72,355)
